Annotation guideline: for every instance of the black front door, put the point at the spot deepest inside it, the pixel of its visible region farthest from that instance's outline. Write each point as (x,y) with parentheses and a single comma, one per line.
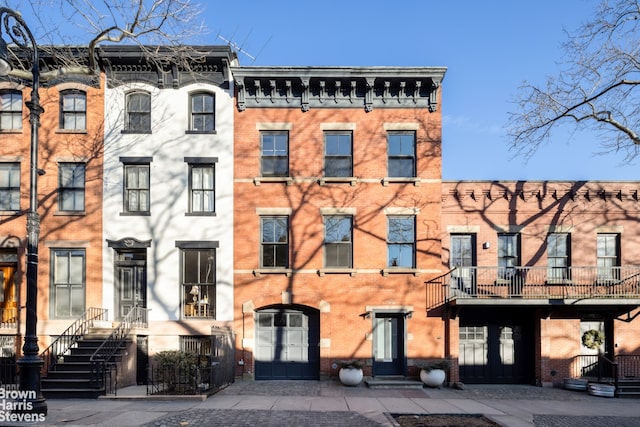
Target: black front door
(388,344)
(131,282)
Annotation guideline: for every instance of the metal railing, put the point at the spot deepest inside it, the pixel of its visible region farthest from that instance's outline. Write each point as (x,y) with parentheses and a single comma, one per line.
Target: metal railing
(104,370)
(210,372)
(535,283)
(628,366)
(65,341)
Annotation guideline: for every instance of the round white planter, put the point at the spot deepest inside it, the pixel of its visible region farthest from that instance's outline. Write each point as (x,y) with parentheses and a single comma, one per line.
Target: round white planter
(602,390)
(577,384)
(350,376)
(432,378)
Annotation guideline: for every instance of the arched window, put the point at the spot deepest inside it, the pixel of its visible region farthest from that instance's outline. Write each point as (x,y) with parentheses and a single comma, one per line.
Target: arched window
(73,110)
(138,112)
(10,109)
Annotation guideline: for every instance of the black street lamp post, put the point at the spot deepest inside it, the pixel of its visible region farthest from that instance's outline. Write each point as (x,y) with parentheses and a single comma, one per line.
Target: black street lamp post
(30,363)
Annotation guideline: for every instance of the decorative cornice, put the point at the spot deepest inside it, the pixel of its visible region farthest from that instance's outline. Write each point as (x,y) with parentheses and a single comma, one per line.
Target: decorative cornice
(337,87)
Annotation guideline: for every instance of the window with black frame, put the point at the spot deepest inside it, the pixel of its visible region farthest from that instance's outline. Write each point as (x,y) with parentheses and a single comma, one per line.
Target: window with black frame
(9,186)
(274,243)
(274,154)
(338,157)
(138,112)
(401,154)
(10,110)
(71,187)
(401,240)
(136,188)
(202,109)
(338,244)
(198,282)
(73,110)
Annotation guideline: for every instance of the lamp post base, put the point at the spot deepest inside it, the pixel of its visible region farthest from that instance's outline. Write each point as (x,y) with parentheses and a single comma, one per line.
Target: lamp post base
(30,393)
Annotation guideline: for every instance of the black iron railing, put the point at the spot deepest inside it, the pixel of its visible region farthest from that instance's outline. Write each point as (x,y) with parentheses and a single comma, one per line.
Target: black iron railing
(104,367)
(68,339)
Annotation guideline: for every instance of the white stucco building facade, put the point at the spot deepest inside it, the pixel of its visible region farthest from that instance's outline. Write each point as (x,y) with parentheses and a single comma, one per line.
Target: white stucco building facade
(168,194)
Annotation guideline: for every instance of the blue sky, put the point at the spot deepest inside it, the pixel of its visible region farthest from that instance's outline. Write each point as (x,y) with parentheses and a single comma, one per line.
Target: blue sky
(489,47)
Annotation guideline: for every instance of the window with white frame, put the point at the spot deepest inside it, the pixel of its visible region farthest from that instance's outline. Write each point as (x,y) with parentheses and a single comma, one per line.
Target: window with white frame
(608,256)
(558,260)
(10,110)
(401,154)
(274,153)
(338,241)
(9,186)
(67,282)
(202,109)
(73,110)
(274,242)
(71,186)
(338,158)
(138,112)
(401,241)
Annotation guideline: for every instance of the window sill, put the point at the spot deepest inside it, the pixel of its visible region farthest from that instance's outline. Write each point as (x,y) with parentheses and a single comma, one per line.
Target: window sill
(349,271)
(125,131)
(10,130)
(400,270)
(399,180)
(72,131)
(352,180)
(10,213)
(135,213)
(260,271)
(200,132)
(272,179)
(200,214)
(70,213)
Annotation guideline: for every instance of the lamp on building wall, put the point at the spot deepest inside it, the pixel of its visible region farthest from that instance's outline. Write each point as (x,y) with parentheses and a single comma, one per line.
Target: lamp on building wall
(12,24)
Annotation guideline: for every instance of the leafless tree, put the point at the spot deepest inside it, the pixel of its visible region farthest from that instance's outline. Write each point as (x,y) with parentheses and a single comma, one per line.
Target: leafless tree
(71,31)
(597,88)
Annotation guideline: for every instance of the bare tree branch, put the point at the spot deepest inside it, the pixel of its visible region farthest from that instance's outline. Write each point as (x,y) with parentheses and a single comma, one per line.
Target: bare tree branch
(596,90)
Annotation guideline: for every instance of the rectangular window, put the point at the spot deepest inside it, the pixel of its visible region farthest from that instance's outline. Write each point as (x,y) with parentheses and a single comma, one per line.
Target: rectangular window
(274,150)
(608,254)
(202,112)
(199,282)
(508,255)
(202,188)
(68,282)
(401,241)
(402,154)
(338,160)
(138,112)
(462,259)
(338,245)
(10,110)
(73,110)
(71,186)
(136,188)
(274,242)
(9,186)
(558,257)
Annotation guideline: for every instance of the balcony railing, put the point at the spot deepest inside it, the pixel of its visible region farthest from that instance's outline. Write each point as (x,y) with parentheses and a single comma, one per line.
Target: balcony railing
(535,283)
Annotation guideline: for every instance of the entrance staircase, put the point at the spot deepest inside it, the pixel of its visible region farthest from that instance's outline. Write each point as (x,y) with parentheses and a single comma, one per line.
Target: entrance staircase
(73,376)
(393,382)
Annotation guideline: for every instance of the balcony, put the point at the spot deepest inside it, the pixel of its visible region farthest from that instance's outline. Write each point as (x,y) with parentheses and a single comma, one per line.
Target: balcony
(536,286)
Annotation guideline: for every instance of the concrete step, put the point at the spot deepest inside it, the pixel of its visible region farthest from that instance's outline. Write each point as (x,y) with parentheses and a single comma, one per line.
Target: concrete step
(393,382)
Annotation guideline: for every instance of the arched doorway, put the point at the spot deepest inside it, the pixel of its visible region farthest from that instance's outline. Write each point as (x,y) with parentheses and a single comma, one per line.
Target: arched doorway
(287,343)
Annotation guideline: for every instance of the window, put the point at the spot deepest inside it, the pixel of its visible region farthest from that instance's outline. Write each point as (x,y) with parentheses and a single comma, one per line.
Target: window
(202,112)
(68,271)
(10,110)
(338,154)
(138,112)
(558,257)
(73,110)
(401,239)
(199,282)
(402,154)
(274,149)
(136,188)
(9,186)
(508,254)
(71,186)
(338,241)
(201,188)
(462,258)
(274,242)
(608,253)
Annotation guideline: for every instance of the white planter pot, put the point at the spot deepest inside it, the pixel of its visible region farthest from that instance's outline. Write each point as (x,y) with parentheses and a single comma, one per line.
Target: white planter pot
(350,376)
(432,378)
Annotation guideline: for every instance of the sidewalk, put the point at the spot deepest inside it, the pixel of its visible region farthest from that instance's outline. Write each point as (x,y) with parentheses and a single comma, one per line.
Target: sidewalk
(328,403)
